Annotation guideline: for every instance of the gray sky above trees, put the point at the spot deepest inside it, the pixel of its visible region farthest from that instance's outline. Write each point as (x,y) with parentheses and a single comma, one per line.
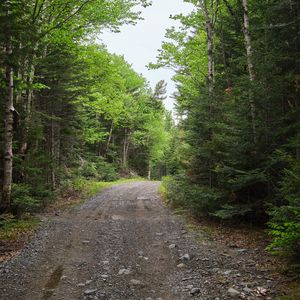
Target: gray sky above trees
(139,43)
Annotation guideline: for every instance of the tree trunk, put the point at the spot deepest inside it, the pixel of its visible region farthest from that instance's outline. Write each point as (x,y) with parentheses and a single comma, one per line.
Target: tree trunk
(125,150)
(149,171)
(8,130)
(109,137)
(249,52)
(53,162)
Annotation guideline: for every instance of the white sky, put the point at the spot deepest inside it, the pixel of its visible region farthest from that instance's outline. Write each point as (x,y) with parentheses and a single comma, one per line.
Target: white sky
(139,44)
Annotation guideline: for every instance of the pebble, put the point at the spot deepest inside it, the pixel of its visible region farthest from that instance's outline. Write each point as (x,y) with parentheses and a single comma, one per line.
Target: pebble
(85,242)
(247,290)
(135,282)
(185,257)
(172,246)
(241,250)
(80,284)
(195,291)
(186,278)
(124,272)
(90,292)
(181,265)
(88,282)
(233,292)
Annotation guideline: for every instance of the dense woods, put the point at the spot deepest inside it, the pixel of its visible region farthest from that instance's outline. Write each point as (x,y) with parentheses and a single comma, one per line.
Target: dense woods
(237,141)
(72,111)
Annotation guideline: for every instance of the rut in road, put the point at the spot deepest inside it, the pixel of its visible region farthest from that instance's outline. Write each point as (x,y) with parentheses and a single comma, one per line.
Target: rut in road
(124,244)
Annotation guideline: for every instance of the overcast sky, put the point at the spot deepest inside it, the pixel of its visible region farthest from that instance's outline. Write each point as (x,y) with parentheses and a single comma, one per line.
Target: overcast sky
(139,44)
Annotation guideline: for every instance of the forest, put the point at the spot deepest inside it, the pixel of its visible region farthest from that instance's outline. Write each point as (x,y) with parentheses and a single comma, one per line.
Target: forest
(72,112)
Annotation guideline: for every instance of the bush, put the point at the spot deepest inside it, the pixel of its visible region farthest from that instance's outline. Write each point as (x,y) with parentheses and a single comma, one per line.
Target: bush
(98,168)
(22,199)
(106,171)
(285,218)
(200,200)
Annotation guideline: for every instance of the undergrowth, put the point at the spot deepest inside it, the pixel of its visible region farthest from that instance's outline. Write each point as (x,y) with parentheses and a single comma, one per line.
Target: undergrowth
(12,228)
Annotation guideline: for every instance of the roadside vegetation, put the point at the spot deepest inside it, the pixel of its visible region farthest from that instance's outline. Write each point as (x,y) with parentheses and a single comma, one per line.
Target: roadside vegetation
(235,150)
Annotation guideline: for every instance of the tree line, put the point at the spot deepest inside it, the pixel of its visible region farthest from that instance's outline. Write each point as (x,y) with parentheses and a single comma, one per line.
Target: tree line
(69,108)
(236,145)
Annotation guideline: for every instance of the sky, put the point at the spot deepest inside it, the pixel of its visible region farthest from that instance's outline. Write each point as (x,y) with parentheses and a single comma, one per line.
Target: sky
(139,43)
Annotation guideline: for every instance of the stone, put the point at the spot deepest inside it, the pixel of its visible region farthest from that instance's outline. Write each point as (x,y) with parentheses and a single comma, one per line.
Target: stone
(172,246)
(180,266)
(233,292)
(185,257)
(241,250)
(85,242)
(247,290)
(90,292)
(124,272)
(88,282)
(195,291)
(135,282)
(80,284)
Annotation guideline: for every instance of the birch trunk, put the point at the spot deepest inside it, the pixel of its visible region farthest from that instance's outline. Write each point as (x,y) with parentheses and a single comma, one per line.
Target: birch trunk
(249,52)
(109,137)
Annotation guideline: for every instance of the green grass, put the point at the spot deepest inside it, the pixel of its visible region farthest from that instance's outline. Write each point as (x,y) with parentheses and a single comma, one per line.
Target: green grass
(12,229)
(92,188)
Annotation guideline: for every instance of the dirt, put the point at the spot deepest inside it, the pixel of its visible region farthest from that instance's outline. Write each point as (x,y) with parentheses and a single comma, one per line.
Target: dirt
(125,244)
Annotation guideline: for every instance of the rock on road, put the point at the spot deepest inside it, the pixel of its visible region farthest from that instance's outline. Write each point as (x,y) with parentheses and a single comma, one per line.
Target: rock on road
(124,244)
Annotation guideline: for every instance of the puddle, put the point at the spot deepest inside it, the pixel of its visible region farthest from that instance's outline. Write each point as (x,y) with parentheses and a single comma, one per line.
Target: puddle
(53,282)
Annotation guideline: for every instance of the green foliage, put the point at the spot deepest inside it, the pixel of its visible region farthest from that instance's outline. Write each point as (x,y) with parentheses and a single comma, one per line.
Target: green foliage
(232,211)
(13,228)
(98,168)
(22,198)
(200,200)
(285,219)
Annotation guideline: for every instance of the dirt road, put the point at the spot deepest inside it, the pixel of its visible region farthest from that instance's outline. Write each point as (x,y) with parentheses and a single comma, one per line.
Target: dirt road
(124,244)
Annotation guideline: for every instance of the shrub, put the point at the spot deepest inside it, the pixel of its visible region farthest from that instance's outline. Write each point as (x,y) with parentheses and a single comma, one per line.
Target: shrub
(97,168)
(106,171)
(200,200)
(285,218)
(22,199)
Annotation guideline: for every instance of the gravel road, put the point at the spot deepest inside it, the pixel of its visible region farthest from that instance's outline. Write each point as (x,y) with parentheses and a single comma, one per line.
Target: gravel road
(124,244)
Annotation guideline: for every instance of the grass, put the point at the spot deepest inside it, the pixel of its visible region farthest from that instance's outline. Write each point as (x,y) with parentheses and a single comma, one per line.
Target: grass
(13,229)
(93,188)
(82,189)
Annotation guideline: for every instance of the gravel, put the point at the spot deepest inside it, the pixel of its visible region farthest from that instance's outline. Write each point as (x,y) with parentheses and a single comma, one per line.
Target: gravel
(125,244)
